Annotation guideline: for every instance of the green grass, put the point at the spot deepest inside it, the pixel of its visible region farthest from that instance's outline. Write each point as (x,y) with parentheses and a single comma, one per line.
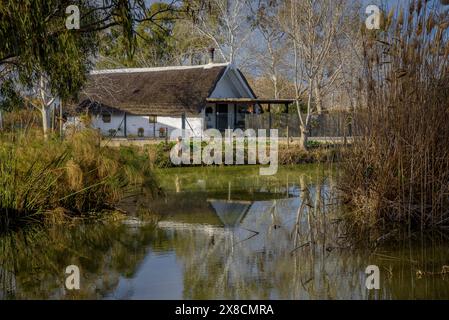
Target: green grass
(47,180)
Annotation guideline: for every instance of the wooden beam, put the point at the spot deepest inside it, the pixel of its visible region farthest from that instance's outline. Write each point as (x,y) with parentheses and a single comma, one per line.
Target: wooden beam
(288,126)
(249,100)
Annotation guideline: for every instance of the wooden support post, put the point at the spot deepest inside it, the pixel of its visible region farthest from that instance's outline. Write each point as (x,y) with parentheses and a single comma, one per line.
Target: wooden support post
(288,122)
(216,115)
(154,129)
(124,126)
(183,121)
(166,135)
(269,116)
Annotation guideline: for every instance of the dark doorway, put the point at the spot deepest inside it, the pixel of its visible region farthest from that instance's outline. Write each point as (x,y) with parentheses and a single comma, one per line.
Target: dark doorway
(222,117)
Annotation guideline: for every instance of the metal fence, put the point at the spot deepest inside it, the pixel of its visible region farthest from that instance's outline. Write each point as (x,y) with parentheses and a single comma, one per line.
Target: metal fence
(331,124)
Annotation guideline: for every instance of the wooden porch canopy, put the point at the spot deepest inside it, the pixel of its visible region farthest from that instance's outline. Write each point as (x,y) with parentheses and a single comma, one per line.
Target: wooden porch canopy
(251,101)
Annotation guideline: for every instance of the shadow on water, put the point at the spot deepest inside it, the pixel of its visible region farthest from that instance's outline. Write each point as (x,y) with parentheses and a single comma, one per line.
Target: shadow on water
(221,233)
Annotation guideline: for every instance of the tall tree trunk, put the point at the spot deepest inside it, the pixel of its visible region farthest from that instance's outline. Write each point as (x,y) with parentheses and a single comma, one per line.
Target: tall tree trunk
(303,128)
(45,121)
(319,101)
(303,138)
(304,125)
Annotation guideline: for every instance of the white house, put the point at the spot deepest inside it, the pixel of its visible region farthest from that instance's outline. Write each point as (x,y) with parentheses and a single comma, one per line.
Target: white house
(151,102)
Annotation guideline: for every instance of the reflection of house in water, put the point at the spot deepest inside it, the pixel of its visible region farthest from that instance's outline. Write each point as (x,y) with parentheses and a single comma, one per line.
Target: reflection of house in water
(208,208)
(231,213)
(215,215)
(222,216)
(218,210)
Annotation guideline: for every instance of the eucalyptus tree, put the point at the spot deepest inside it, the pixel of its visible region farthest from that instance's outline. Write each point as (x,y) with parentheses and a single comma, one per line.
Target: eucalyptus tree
(46,60)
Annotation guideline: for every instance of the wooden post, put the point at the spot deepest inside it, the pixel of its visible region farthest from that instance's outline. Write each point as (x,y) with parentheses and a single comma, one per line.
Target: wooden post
(166,135)
(60,121)
(125,129)
(183,121)
(1,120)
(216,115)
(288,122)
(269,116)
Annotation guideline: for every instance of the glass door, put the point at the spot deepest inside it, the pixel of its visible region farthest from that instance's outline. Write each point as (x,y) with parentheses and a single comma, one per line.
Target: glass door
(222,117)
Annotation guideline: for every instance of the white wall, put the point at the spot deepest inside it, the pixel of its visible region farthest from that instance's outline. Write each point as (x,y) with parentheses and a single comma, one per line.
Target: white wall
(231,85)
(117,123)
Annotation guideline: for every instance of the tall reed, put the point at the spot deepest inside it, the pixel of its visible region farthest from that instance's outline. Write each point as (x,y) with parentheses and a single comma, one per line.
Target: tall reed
(397,173)
(48,179)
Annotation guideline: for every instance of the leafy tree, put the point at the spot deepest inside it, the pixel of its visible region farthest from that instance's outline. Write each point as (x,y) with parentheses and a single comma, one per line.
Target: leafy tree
(167,40)
(153,43)
(48,60)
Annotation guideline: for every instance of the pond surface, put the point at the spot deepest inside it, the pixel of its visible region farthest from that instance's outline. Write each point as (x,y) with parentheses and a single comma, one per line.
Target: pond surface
(221,233)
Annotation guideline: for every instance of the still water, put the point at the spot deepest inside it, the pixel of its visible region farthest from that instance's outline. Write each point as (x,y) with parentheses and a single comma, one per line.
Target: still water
(222,233)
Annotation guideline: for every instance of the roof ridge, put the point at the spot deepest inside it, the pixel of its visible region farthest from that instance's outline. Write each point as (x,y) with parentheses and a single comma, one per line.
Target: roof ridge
(156,69)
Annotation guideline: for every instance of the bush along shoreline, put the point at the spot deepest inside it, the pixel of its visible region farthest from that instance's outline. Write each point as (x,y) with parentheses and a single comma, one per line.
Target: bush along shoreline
(48,180)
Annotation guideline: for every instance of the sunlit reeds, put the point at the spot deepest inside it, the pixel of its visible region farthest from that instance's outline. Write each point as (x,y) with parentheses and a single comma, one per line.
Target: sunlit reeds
(52,178)
(397,173)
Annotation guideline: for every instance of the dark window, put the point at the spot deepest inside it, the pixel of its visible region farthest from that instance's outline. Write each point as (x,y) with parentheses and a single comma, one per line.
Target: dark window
(222,117)
(152,119)
(106,117)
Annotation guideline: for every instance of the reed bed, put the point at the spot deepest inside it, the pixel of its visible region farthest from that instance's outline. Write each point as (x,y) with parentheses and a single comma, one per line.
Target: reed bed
(48,180)
(396,175)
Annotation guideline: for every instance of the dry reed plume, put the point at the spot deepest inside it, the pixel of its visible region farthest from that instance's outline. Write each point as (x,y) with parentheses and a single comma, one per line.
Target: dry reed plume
(397,173)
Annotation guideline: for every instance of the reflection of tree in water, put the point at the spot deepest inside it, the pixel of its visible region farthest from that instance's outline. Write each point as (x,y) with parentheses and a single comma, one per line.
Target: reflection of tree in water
(35,260)
(255,259)
(289,249)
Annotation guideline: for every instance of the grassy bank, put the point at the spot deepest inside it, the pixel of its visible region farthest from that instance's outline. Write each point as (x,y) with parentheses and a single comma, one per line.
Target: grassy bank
(48,180)
(288,155)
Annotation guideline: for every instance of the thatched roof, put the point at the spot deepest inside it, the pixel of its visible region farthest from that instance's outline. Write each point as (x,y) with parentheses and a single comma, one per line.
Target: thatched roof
(159,91)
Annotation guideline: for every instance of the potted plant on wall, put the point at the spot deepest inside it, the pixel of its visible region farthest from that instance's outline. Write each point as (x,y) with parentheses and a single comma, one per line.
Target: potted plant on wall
(141,132)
